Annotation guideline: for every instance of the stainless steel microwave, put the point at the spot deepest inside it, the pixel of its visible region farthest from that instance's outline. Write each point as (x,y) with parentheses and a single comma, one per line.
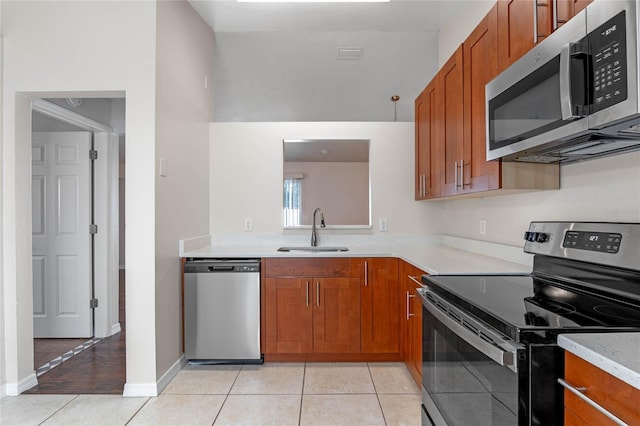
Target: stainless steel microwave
(573,97)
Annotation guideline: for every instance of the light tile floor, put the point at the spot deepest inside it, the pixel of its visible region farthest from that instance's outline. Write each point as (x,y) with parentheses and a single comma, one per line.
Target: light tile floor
(280,394)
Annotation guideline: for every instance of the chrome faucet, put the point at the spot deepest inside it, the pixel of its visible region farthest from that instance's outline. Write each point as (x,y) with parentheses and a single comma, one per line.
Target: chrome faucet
(314,236)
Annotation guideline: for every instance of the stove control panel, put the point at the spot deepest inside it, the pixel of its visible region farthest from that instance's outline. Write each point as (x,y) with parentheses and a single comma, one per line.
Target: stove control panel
(594,241)
(605,243)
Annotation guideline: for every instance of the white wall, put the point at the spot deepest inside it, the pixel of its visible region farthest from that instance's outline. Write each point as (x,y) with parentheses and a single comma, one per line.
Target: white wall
(456,32)
(81,49)
(247,172)
(183,112)
(341,189)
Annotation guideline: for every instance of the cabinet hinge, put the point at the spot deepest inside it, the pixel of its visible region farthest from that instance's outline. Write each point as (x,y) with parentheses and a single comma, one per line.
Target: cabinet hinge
(93,228)
(93,154)
(93,303)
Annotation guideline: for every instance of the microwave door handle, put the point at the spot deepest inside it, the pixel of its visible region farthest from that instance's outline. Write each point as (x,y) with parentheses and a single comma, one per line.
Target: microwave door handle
(566,103)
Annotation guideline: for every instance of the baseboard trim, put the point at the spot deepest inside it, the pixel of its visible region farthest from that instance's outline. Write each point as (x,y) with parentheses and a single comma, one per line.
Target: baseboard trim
(171,373)
(15,389)
(140,389)
(115,329)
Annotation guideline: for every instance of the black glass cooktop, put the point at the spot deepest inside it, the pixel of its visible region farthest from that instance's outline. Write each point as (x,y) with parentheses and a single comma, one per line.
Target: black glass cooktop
(514,304)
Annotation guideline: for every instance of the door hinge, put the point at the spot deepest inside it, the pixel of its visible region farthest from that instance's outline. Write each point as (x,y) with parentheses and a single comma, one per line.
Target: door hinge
(93,303)
(93,154)
(93,228)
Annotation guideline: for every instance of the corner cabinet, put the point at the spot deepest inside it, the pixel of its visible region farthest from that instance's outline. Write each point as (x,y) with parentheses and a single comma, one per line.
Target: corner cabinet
(604,390)
(451,129)
(330,309)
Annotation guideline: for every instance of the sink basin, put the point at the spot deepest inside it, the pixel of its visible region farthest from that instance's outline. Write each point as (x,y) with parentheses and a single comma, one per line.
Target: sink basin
(313,249)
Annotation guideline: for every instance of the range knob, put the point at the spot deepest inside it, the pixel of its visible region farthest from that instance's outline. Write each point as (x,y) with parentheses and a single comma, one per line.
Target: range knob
(536,237)
(542,237)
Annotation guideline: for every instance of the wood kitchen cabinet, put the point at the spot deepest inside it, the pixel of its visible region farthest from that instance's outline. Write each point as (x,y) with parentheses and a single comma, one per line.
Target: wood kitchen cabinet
(427,126)
(451,133)
(312,306)
(451,125)
(614,395)
(521,25)
(379,298)
(567,9)
(411,320)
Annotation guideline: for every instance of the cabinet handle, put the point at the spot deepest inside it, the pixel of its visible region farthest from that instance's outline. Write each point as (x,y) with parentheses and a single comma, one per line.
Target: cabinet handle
(455,174)
(366,274)
(579,393)
(556,23)
(409,296)
(535,21)
(318,293)
(307,293)
(424,185)
(415,280)
(462,173)
(420,186)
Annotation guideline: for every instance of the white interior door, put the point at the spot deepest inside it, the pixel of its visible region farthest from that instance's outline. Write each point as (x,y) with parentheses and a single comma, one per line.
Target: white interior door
(61,207)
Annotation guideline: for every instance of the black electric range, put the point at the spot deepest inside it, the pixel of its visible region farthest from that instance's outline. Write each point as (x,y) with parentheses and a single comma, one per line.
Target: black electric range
(482,328)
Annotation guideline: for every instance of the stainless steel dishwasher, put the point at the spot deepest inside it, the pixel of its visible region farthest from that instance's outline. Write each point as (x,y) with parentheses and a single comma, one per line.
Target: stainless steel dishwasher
(222,311)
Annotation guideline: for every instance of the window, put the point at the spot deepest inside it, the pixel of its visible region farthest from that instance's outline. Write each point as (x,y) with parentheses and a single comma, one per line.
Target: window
(292,201)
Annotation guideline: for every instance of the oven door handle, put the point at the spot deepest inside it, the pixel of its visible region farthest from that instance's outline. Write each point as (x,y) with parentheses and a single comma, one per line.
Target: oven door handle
(500,356)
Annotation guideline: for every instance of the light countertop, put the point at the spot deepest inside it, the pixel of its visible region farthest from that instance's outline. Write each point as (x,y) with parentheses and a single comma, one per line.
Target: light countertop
(433,257)
(616,353)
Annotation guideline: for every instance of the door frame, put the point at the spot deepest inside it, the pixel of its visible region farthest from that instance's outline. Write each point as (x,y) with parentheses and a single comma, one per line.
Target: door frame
(106,215)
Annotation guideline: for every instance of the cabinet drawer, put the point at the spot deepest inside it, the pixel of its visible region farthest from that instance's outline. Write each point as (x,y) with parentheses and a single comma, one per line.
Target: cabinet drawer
(610,393)
(313,267)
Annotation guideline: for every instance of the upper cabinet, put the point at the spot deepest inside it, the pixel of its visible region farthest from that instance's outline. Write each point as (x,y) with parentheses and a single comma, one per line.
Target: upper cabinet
(427,170)
(450,112)
(524,23)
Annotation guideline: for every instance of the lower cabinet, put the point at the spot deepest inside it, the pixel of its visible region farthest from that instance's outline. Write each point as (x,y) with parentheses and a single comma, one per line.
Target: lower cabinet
(346,307)
(411,320)
(605,390)
(307,315)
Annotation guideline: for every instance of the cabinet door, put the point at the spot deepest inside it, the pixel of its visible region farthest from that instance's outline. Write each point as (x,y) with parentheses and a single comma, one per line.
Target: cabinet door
(288,316)
(416,334)
(480,59)
(427,183)
(614,395)
(519,30)
(567,9)
(451,132)
(411,321)
(336,315)
(380,318)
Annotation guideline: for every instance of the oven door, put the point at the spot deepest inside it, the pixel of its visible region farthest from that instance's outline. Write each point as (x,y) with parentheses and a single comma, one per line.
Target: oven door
(467,378)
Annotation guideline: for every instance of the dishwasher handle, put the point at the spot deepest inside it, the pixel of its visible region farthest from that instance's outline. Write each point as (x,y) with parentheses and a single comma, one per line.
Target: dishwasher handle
(215,268)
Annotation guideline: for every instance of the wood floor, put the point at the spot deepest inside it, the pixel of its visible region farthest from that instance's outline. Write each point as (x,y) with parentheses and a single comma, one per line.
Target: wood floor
(97,370)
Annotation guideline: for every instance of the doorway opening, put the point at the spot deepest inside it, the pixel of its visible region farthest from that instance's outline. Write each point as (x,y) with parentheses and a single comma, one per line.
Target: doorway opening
(78,244)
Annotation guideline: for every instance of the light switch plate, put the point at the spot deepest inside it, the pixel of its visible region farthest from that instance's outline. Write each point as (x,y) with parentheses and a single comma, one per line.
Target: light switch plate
(383,224)
(163,167)
(248,224)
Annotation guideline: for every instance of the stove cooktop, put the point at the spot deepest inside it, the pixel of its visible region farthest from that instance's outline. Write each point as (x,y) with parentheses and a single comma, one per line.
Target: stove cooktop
(517,304)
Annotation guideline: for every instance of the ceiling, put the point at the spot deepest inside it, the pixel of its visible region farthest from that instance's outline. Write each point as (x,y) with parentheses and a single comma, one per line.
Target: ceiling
(279,61)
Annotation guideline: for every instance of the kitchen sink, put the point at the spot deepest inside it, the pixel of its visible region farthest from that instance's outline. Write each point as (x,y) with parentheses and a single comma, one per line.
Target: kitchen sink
(313,249)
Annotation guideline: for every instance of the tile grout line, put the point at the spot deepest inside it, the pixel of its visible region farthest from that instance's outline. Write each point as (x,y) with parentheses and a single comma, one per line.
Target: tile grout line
(226,397)
(304,376)
(384,418)
(59,409)
(138,411)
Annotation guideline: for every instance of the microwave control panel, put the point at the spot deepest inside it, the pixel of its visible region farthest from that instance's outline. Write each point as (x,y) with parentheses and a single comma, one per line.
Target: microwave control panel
(609,62)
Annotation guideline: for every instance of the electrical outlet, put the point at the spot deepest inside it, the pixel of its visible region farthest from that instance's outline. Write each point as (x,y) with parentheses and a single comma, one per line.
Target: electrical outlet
(383,224)
(248,224)
(483,227)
